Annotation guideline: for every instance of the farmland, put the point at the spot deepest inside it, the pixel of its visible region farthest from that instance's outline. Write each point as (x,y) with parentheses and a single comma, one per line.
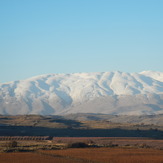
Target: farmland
(81,139)
(91,155)
(83,150)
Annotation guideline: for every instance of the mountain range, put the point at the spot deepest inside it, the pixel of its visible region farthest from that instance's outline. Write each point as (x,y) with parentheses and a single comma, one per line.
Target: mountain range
(116,93)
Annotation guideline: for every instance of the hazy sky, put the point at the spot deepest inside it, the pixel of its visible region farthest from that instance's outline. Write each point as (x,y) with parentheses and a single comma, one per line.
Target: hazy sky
(66,36)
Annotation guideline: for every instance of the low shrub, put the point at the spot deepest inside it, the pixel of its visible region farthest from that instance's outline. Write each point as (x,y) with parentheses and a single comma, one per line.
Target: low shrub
(77,145)
(11,144)
(143,145)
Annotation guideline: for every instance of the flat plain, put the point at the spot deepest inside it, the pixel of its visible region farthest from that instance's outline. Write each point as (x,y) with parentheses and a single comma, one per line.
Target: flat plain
(86,155)
(105,138)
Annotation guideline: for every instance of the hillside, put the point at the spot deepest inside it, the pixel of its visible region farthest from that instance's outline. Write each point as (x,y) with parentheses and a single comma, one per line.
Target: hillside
(115,93)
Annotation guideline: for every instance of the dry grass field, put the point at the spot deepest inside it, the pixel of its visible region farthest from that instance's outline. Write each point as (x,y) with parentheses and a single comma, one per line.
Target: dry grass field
(104,141)
(29,157)
(86,155)
(109,141)
(97,150)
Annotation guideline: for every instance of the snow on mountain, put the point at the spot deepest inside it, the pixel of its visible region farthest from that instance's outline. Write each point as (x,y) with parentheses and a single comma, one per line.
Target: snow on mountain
(105,92)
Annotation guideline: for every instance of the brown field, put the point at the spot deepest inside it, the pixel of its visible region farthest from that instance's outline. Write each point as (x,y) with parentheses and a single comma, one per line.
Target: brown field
(86,155)
(29,157)
(119,141)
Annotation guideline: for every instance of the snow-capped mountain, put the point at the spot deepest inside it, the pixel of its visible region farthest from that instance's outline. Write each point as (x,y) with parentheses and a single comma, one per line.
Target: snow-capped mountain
(105,92)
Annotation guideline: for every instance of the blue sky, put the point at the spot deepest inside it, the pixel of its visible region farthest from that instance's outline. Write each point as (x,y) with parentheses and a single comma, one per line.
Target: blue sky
(67,36)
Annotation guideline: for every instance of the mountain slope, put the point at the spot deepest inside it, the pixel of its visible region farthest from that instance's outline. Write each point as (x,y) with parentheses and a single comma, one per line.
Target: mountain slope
(106,92)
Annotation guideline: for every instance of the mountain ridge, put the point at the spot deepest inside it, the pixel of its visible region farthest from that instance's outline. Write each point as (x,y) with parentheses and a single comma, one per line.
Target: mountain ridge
(69,93)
